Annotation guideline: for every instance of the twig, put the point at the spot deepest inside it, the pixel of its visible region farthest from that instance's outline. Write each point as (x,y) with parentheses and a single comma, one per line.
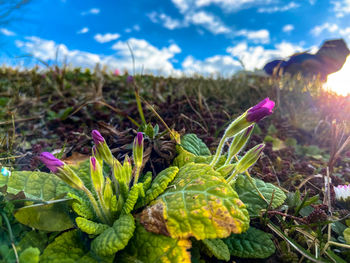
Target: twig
(20,120)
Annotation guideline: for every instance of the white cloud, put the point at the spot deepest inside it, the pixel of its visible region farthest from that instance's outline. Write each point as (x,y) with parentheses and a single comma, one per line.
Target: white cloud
(208,21)
(216,65)
(134,28)
(147,56)
(259,36)
(288,28)
(92,11)
(166,21)
(255,57)
(317,30)
(341,8)
(7,32)
(274,9)
(226,5)
(106,37)
(84,30)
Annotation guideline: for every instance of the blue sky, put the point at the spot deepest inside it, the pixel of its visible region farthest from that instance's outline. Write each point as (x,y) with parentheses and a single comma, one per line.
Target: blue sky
(171,37)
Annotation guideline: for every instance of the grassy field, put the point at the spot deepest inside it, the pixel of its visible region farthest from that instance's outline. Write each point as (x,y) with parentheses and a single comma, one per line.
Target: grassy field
(305,156)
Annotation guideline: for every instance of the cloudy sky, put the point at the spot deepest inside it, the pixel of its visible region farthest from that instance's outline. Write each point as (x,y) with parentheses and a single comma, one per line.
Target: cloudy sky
(170,36)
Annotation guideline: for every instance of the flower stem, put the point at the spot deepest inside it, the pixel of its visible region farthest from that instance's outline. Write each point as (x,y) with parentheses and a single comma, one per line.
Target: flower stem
(95,205)
(218,151)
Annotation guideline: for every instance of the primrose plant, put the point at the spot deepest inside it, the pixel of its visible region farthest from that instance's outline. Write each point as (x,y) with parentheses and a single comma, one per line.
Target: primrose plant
(132,217)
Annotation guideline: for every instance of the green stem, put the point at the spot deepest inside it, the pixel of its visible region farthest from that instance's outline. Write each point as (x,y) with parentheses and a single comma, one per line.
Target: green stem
(218,151)
(104,208)
(8,225)
(95,205)
(139,106)
(137,174)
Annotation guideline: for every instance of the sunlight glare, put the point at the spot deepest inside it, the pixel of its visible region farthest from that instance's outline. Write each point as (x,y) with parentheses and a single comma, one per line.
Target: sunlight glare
(339,82)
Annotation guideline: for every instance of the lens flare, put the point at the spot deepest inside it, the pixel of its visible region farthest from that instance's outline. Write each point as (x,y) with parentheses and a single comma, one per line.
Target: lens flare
(339,82)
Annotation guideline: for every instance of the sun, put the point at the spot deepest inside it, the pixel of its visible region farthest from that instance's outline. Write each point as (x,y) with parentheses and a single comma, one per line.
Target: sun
(339,82)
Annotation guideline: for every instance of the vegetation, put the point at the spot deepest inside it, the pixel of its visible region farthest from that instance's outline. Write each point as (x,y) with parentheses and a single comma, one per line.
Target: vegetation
(99,167)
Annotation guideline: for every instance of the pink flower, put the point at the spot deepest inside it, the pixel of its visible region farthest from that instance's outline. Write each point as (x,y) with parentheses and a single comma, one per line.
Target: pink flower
(117,72)
(261,110)
(51,161)
(97,137)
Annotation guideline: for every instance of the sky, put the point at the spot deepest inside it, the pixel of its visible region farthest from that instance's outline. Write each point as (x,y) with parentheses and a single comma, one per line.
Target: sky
(169,37)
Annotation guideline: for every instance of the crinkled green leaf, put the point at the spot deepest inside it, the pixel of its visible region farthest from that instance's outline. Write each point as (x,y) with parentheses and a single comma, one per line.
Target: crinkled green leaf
(183,157)
(114,238)
(201,204)
(134,193)
(160,183)
(82,206)
(148,247)
(217,248)
(147,180)
(35,185)
(33,238)
(29,255)
(252,244)
(49,217)
(191,143)
(66,248)
(90,227)
(346,234)
(248,194)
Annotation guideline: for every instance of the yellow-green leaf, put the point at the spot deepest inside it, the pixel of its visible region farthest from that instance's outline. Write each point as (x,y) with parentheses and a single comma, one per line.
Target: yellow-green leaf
(90,227)
(200,204)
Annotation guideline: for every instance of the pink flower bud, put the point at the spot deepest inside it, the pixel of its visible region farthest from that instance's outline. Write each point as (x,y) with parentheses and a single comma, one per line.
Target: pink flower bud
(97,137)
(51,161)
(260,111)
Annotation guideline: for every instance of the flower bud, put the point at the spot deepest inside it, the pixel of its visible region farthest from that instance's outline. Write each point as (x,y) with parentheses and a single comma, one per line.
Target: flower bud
(108,192)
(101,148)
(138,149)
(130,79)
(127,169)
(51,161)
(67,175)
(261,110)
(249,159)
(238,143)
(96,174)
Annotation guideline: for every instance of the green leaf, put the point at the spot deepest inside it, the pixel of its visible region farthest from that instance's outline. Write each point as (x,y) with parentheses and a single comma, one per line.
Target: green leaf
(90,227)
(66,248)
(346,234)
(48,217)
(191,143)
(252,244)
(82,206)
(160,183)
(201,204)
(183,157)
(35,185)
(114,238)
(248,194)
(218,248)
(146,180)
(33,238)
(148,247)
(82,169)
(30,255)
(134,193)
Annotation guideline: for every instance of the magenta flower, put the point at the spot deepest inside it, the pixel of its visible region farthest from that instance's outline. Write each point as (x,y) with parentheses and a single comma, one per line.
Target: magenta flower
(93,162)
(117,72)
(129,79)
(139,138)
(261,110)
(97,137)
(51,161)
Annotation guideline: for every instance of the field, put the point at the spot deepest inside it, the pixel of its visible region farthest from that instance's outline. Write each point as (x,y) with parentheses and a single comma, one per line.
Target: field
(278,205)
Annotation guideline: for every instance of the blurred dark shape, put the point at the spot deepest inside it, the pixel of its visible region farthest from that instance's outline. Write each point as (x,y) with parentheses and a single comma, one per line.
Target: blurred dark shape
(328,59)
(7,8)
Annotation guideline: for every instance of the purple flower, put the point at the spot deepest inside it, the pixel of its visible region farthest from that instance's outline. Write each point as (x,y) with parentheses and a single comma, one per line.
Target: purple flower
(51,161)
(261,110)
(139,138)
(129,79)
(93,162)
(97,137)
